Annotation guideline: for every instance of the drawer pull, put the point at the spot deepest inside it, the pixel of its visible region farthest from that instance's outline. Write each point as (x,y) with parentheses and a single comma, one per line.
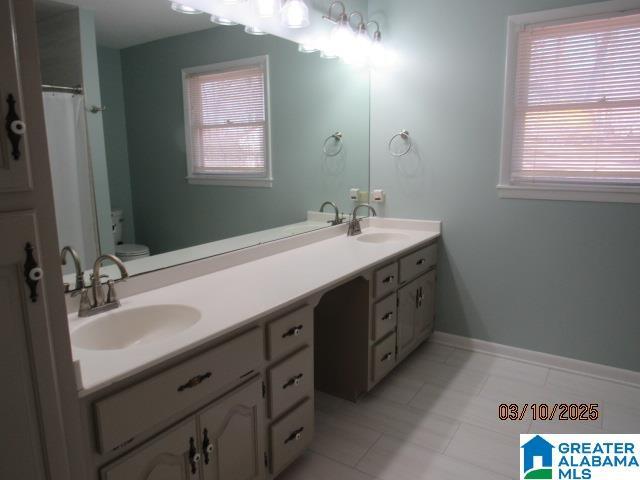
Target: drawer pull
(194,456)
(386,357)
(389,279)
(293,381)
(207,446)
(419,297)
(295,436)
(388,316)
(293,332)
(421,262)
(194,382)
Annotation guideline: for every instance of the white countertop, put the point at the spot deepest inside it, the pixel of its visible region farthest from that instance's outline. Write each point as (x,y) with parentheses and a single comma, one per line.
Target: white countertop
(237,296)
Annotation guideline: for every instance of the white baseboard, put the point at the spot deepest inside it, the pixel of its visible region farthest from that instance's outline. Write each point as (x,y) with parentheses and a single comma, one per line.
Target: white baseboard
(595,370)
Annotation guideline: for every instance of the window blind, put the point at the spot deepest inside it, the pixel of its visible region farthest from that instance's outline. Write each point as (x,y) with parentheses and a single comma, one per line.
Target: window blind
(228,122)
(577,105)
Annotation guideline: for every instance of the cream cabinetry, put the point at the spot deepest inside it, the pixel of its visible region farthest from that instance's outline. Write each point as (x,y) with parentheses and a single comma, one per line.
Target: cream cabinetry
(225,413)
(368,325)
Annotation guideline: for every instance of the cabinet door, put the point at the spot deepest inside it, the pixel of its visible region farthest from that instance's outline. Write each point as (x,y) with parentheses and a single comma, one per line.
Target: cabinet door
(173,455)
(407,306)
(21,451)
(14,160)
(231,435)
(426,304)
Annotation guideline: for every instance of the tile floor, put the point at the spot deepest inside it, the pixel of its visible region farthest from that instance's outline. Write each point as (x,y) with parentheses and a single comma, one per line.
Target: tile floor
(436,417)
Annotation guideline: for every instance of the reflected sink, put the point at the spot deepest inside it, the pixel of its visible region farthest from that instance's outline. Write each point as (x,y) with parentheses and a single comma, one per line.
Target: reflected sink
(136,326)
(382,237)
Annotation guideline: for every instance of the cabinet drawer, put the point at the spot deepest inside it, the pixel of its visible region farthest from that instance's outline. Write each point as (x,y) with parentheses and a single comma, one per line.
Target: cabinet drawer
(292,331)
(383,357)
(418,262)
(384,317)
(126,414)
(291,436)
(386,280)
(290,382)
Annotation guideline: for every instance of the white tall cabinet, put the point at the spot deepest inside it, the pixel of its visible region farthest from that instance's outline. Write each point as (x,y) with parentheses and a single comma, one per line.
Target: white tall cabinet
(39,404)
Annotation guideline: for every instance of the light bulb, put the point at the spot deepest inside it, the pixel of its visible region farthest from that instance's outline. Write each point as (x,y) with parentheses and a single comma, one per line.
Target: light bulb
(358,54)
(222,20)
(377,54)
(295,14)
(180,8)
(341,38)
(266,8)
(251,30)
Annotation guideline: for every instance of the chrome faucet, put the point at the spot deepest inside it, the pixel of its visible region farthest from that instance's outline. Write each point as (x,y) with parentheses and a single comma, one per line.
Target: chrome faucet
(77,266)
(354,224)
(337,220)
(100,304)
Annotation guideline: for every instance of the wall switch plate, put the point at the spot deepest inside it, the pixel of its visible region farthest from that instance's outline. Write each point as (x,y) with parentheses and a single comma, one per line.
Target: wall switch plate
(363,196)
(354,193)
(378,196)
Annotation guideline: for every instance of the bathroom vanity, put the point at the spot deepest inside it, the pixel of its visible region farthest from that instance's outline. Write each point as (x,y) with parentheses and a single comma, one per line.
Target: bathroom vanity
(230,395)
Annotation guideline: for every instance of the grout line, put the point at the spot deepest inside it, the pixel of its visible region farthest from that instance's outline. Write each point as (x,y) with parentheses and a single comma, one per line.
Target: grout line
(451,439)
(351,467)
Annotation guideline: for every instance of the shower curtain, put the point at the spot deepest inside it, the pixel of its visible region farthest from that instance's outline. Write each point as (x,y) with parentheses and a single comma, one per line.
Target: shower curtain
(71,175)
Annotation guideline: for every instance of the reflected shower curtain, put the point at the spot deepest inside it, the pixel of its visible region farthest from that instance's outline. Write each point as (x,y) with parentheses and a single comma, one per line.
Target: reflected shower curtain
(71,174)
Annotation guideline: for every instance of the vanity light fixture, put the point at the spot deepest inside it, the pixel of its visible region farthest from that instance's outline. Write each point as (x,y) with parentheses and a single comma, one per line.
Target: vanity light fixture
(222,21)
(266,8)
(377,52)
(295,14)
(341,38)
(357,52)
(187,10)
(251,30)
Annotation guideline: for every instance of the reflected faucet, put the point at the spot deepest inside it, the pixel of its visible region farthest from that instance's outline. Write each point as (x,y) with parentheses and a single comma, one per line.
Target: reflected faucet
(337,220)
(100,304)
(354,224)
(76,265)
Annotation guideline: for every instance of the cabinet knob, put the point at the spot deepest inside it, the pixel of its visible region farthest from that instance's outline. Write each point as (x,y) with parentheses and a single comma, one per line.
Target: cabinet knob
(421,262)
(386,357)
(15,127)
(295,436)
(194,456)
(293,332)
(388,316)
(389,279)
(293,381)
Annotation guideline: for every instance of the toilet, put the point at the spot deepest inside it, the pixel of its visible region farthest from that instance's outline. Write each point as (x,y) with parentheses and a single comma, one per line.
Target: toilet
(125,251)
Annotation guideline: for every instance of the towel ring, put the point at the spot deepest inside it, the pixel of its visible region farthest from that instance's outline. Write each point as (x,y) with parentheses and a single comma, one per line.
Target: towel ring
(404,134)
(337,138)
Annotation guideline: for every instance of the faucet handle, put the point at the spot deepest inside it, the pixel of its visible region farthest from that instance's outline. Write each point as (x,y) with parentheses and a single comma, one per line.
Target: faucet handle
(112,296)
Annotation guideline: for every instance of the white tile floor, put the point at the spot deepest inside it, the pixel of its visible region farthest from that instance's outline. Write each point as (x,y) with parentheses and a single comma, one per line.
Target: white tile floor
(436,417)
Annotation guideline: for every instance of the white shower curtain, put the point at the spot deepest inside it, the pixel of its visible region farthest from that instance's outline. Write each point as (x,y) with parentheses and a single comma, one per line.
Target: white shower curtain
(71,174)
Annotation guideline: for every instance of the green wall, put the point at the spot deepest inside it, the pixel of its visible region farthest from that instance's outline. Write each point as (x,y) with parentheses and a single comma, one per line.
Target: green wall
(115,132)
(556,277)
(311,98)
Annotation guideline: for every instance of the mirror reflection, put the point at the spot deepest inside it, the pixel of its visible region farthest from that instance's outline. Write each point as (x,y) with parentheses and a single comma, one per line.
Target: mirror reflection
(189,139)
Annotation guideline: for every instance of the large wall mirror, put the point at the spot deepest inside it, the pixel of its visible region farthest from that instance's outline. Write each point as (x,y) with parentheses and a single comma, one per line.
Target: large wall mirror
(173,139)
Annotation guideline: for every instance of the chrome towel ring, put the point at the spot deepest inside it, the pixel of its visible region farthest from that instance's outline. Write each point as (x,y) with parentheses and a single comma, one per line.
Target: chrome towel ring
(337,140)
(404,134)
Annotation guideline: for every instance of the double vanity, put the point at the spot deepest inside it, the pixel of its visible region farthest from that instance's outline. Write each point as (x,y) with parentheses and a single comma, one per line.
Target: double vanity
(213,377)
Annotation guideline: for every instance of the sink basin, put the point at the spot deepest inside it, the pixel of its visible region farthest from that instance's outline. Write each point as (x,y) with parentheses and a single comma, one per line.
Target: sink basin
(382,237)
(136,326)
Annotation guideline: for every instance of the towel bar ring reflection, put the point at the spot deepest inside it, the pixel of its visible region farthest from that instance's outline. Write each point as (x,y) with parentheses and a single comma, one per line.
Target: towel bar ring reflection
(337,139)
(404,134)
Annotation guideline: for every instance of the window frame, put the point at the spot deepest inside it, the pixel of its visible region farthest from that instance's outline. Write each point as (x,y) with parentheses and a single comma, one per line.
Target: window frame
(230,180)
(556,190)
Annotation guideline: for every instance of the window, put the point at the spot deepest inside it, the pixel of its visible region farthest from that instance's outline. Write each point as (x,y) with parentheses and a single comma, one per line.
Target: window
(226,123)
(572,109)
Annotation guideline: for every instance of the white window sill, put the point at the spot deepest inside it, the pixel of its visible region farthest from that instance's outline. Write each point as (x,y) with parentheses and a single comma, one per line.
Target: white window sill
(575,193)
(230,182)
